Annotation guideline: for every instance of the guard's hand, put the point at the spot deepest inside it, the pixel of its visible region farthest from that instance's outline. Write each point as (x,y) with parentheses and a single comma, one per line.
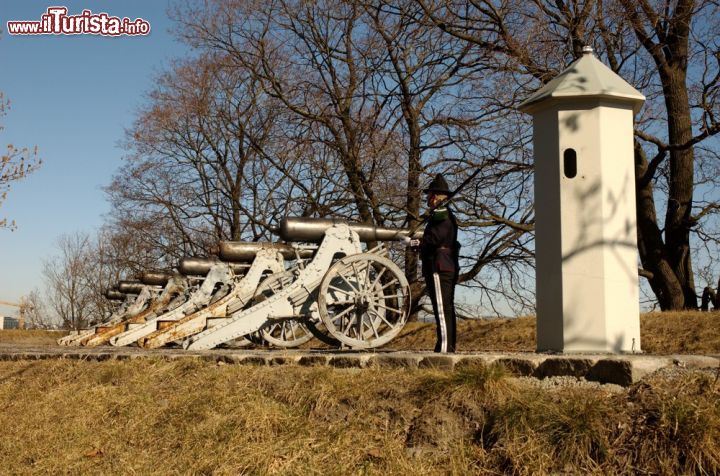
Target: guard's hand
(412,243)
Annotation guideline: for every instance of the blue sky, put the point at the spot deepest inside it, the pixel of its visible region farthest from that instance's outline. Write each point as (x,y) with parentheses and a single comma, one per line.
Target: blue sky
(72,97)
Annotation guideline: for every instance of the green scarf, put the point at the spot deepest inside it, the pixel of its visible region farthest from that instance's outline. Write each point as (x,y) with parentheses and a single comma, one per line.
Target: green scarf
(440,214)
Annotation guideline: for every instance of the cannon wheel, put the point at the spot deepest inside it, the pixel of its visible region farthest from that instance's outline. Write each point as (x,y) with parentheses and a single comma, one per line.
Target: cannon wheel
(284,333)
(364,300)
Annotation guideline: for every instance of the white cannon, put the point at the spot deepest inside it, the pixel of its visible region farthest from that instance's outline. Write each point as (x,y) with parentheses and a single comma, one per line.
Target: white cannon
(268,258)
(219,279)
(173,295)
(138,296)
(362,299)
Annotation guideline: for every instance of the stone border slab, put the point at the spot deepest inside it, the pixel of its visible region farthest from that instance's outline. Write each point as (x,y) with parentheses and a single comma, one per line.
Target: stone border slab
(615,369)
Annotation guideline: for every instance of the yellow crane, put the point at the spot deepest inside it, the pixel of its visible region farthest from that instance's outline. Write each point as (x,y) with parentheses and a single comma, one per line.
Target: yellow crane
(23,307)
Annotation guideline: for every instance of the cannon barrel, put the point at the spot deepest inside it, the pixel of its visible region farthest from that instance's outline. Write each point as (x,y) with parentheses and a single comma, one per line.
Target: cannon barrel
(201,266)
(114,295)
(155,278)
(130,287)
(313,230)
(245,251)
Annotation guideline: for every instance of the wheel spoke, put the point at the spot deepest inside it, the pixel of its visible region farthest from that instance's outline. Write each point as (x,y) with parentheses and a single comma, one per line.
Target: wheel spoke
(347,325)
(357,328)
(285,329)
(377,278)
(367,275)
(384,320)
(348,283)
(391,283)
(334,288)
(338,316)
(389,308)
(372,326)
(357,276)
(393,296)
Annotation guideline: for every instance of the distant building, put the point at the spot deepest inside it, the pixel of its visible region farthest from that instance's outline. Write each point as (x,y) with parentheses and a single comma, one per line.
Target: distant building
(7,322)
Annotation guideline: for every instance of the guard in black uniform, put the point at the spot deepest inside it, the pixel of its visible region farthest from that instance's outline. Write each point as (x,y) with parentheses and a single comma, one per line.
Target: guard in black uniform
(439,252)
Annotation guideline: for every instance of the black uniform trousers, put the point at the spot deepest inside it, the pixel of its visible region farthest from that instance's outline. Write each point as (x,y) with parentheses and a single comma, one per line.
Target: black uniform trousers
(441,288)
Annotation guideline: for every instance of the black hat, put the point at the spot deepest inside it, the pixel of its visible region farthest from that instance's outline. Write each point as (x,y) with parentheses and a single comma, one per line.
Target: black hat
(438,185)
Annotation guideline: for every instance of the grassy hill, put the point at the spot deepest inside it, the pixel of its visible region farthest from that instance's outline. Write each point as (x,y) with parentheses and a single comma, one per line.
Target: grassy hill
(661,333)
(689,332)
(196,417)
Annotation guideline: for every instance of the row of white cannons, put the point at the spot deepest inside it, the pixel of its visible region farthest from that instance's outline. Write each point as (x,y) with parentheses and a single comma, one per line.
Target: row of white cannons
(322,282)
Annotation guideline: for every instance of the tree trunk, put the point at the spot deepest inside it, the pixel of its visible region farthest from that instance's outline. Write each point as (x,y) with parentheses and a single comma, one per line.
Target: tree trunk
(412,202)
(670,263)
(679,208)
(653,255)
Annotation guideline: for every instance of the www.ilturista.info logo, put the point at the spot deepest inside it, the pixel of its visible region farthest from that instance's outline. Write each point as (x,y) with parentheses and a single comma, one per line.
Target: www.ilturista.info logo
(56,21)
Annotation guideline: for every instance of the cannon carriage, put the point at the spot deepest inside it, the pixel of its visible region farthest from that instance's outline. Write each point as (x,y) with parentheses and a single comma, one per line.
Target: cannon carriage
(160,293)
(174,293)
(216,279)
(326,281)
(344,295)
(154,294)
(137,297)
(267,259)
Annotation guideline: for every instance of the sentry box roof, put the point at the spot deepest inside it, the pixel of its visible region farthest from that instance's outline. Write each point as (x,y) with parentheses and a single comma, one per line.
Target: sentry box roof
(586,78)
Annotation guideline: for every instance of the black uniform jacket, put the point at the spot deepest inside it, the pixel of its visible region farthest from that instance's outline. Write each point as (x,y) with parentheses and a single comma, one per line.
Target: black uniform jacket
(440,249)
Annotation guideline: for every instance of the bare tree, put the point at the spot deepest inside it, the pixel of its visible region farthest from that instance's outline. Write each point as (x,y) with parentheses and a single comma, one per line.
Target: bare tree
(346,108)
(114,257)
(37,315)
(185,184)
(421,77)
(665,31)
(314,59)
(15,164)
(662,48)
(68,281)
(320,109)
(388,101)
(77,278)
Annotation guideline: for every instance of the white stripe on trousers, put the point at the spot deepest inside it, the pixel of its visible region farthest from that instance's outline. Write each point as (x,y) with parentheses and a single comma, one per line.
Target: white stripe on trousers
(441,314)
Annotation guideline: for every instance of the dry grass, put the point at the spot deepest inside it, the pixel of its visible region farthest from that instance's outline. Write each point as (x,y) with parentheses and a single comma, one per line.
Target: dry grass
(689,332)
(681,332)
(30,336)
(195,417)
(508,335)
